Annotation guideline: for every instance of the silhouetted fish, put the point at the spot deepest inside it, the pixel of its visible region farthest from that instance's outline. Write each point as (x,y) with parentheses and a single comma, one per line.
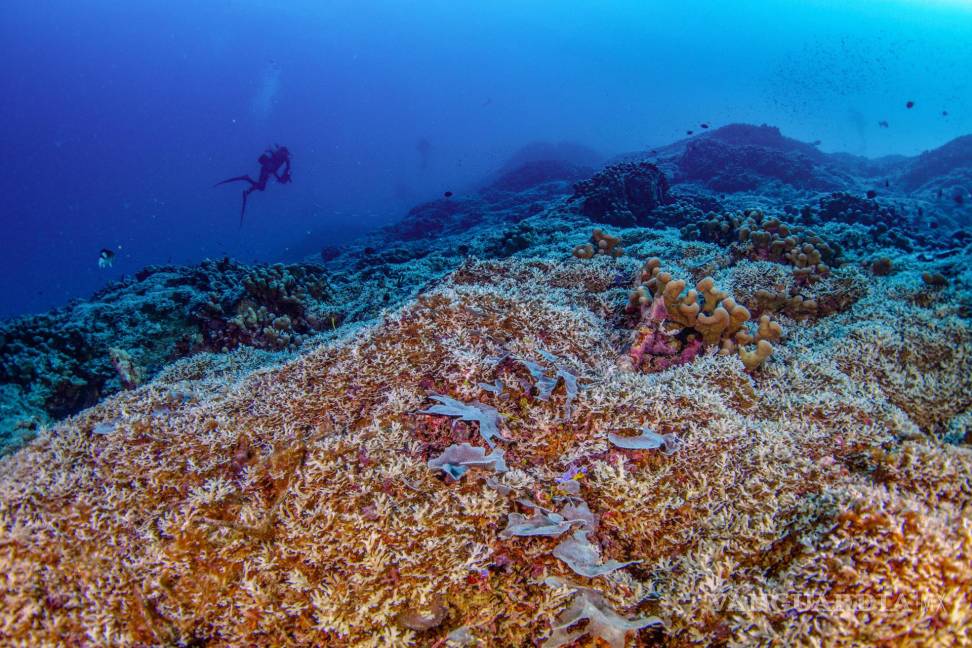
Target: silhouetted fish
(704,125)
(910,104)
(448,194)
(871,193)
(883,124)
(816,142)
(887,183)
(944,113)
(689,132)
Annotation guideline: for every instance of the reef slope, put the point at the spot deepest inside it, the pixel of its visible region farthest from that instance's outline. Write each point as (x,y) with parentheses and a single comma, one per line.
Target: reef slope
(493,424)
(294,505)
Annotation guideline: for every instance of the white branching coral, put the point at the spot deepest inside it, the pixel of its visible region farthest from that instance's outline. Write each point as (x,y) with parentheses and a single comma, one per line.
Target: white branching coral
(295,505)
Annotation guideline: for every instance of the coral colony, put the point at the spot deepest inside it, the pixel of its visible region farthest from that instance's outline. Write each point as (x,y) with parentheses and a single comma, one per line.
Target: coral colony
(721,398)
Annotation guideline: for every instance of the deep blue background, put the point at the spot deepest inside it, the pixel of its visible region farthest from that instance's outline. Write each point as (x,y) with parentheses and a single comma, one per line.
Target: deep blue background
(117,117)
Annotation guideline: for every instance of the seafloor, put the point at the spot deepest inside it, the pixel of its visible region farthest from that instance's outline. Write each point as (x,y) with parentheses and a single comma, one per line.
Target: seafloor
(489,425)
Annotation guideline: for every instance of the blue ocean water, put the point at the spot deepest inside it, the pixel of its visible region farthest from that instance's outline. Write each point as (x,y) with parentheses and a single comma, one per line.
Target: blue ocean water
(118,118)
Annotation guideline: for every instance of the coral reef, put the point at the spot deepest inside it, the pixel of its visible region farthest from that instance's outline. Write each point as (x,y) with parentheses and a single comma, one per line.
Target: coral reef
(68,359)
(431,441)
(623,194)
(675,328)
(434,218)
(296,504)
(538,172)
(601,243)
(753,235)
(728,168)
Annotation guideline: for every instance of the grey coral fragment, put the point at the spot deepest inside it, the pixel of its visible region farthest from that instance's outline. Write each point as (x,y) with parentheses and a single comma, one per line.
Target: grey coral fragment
(580,513)
(497,387)
(461,637)
(458,458)
(545,522)
(103,428)
(582,556)
(486,416)
(498,486)
(647,440)
(546,384)
(541,523)
(604,622)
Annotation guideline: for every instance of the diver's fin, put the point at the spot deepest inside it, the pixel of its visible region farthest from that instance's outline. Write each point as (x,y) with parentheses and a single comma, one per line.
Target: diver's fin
(243,208)
(236,179)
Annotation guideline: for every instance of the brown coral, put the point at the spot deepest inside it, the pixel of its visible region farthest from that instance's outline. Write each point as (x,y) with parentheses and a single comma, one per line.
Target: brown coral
(791,503)
(601,243)
(673,324)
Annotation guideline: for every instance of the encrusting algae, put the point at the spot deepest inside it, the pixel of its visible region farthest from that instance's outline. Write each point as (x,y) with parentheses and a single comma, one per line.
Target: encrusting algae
(808,500)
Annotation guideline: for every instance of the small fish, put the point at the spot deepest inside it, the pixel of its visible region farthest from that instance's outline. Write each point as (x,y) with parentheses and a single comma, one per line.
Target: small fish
(887,183)
(816,142)
(871,194)
(703,125)
(910,105)
(105,258)
(944,113)
(688,132)
(939,193)
(959,199)
(448,194)
(883,124)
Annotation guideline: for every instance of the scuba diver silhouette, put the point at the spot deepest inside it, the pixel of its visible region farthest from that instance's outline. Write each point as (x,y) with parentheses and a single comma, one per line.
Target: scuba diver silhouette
(270,163)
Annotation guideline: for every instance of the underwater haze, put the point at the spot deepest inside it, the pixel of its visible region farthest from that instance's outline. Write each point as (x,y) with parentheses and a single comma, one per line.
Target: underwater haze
(118,118)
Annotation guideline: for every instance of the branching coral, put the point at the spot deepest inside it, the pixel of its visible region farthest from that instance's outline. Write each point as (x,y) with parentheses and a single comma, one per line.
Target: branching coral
(294,505)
